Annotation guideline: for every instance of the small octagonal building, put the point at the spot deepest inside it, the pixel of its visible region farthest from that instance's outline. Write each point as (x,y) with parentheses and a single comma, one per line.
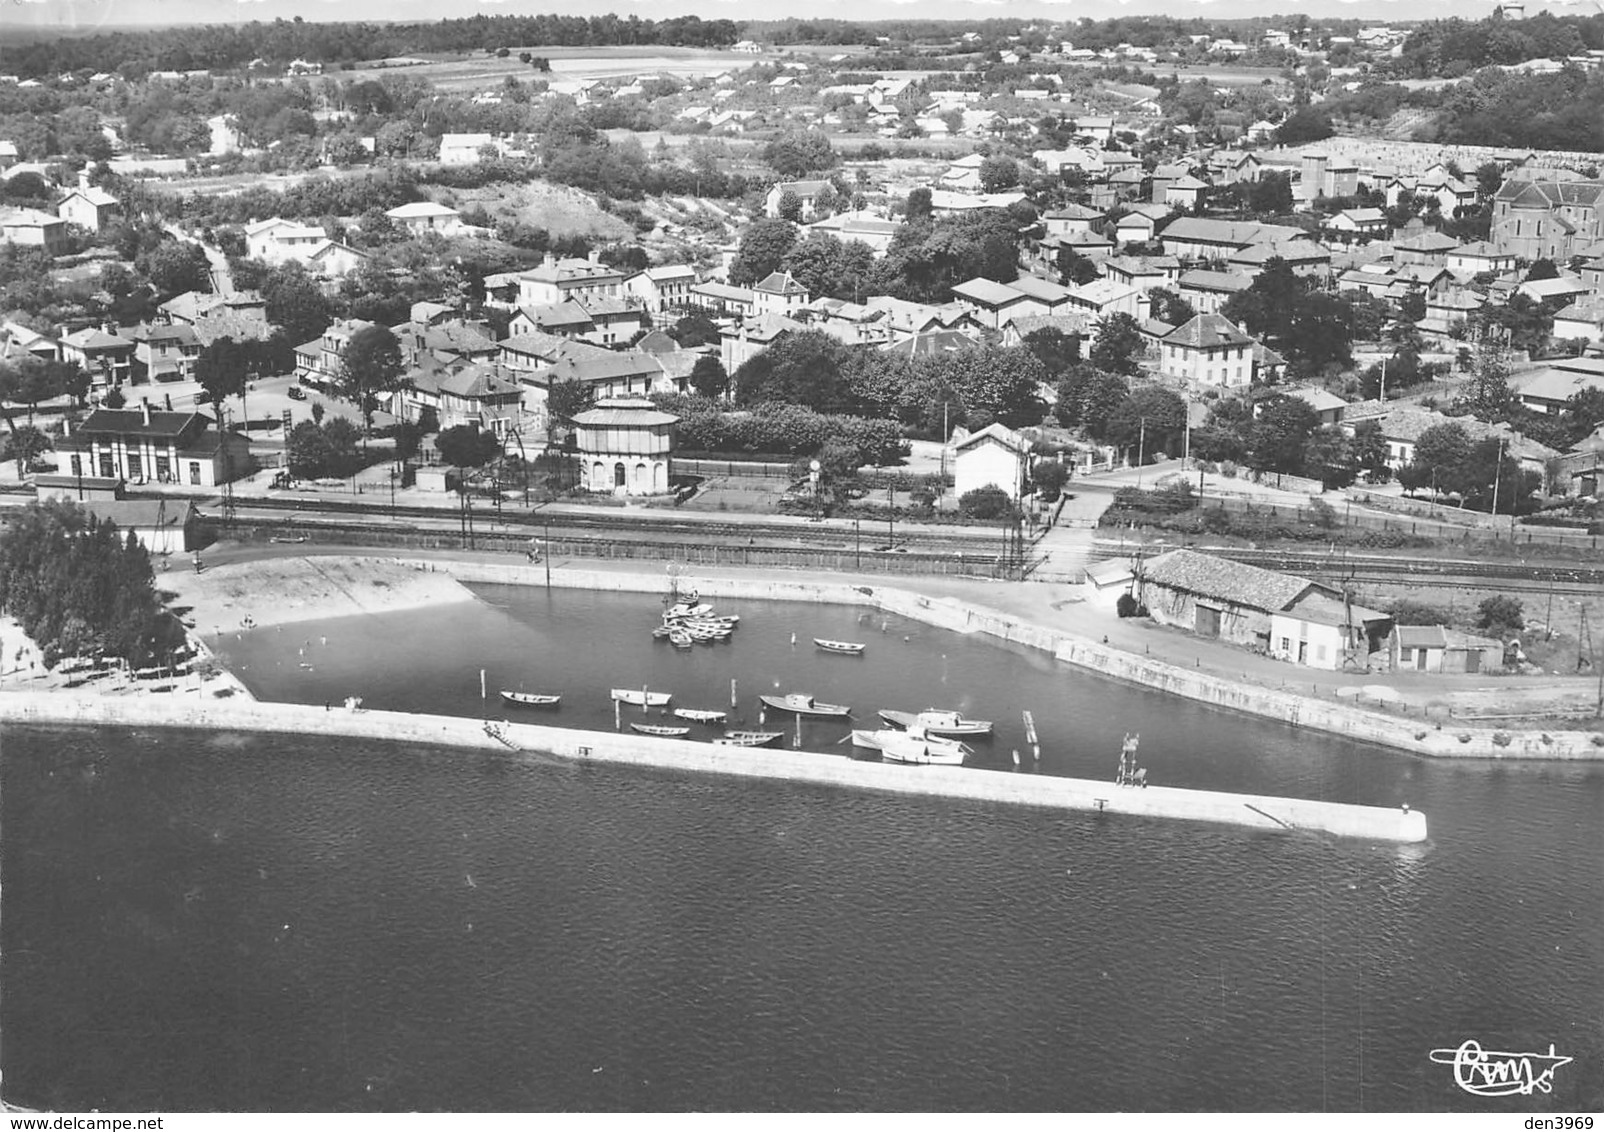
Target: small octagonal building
(625,447)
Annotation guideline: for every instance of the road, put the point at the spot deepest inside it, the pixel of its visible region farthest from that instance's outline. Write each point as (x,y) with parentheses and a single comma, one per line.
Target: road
(222,277)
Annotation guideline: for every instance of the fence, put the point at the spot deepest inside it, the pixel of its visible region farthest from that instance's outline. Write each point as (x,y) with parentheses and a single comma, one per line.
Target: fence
(734,469)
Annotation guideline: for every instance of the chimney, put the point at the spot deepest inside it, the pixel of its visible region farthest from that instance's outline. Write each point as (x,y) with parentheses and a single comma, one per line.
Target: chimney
(144,411)
(168,399)
(83,178)
(549,261)
(109,327)
(595,255)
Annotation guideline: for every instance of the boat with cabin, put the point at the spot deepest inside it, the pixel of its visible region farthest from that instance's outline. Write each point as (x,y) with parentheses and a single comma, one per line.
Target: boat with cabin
(877,740)
(800,703)
(933,721)
(902,747)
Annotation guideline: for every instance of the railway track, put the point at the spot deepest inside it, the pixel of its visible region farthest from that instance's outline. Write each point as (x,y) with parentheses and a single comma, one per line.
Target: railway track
(601,528)
(1448,573)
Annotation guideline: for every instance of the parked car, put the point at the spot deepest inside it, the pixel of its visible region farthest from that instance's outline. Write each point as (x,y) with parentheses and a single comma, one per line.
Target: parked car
(297,393)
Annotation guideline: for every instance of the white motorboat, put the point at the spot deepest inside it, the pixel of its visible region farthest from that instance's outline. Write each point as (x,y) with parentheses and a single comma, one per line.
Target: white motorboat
(933,721)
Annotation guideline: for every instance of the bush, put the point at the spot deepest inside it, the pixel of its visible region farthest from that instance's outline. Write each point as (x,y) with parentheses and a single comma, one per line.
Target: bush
(1411,612)
(1128,606)
(989,502)
(1500,615)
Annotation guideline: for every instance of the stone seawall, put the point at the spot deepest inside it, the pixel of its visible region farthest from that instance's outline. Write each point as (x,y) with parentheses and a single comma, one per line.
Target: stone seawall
(1246,810)
(1412,736)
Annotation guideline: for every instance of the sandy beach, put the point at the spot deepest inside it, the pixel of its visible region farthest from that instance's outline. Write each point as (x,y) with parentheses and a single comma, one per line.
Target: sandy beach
(283,591)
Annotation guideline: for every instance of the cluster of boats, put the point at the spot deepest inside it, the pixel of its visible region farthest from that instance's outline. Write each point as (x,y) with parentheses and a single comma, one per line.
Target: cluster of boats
(688,623)
(926,737)
(929,737)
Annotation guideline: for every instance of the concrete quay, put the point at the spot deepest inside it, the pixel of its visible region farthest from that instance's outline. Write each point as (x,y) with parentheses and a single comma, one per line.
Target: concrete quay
(232,714)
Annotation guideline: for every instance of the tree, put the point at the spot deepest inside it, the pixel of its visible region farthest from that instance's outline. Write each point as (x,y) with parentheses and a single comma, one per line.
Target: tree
(1055,350)
(1371,451)
(1074,269)
(789,207)
(370,367)
(764,246)
(802,368)
(295,303)
(1305,125)
(998,173)
(467,446)
(1170,306)
(177,266)
(919,207)
(220,370)
(709,378)
(1150,421)
(1542,269)
(566,399)
(1119,344)
(1500,615)
(993,384)
(1049,477)
(1489,179)
(1487,396)
(694,329)
(1440,457)
(1279,435)
(26,445)
(1331,458)
(800,152)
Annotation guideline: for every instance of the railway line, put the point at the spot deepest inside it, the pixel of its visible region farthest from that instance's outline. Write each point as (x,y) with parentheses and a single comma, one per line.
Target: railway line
(1516,577)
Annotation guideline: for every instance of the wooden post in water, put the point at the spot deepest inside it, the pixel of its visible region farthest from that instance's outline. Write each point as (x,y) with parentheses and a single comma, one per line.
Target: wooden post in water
(1030,734)
(799,731)
(643,700)
(618,714)
(734,701)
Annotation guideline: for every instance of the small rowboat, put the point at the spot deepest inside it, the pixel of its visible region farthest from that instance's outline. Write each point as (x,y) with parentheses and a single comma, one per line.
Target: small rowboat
(802,704)
(680,639)
(846,648)
(529,699)
(640,697)
(661,732)
(748,738)
(662,632)
(684,610)
(934,722)
(696,715)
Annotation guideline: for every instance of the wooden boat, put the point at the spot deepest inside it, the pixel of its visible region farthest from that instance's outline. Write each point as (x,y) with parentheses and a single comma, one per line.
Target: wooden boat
(901,747)
(660,731)
(662,632)
(799,703)
(687,610)
(935,722)
(846,648)
(530,699)
(680,639)
(640,697)
(748,738)
(696,715)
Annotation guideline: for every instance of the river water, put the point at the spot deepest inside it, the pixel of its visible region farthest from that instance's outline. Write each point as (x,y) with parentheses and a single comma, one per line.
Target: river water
(220,921)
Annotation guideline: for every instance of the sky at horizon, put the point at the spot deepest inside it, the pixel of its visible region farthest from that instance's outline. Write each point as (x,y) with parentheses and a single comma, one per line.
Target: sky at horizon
(87,15)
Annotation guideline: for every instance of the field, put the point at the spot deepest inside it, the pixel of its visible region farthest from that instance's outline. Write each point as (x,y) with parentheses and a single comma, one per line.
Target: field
(568,64)
(561,211)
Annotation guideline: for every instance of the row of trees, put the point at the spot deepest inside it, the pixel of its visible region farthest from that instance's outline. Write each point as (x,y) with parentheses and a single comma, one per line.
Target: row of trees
(81,588)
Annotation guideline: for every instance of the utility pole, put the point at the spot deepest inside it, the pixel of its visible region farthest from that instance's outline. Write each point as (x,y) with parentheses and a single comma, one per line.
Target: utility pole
(1383,397)
(1498,471)
(1141,451)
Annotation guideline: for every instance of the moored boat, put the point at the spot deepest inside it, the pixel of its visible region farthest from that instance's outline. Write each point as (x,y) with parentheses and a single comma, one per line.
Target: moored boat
(640,697)
(680,639)
(846,648)
(660,731)
(748,738)
(696,715)
(530,699)
(901,747)
(800,703)
(936,722)
(879,740)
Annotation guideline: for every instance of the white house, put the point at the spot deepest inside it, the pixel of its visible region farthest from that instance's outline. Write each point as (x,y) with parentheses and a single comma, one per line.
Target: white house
(426,216)
(995,456)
